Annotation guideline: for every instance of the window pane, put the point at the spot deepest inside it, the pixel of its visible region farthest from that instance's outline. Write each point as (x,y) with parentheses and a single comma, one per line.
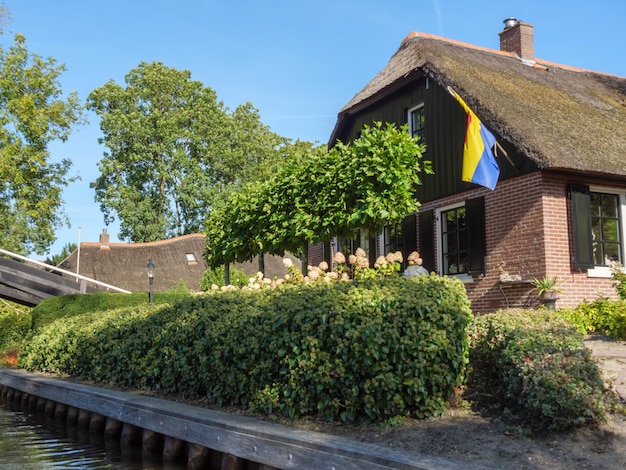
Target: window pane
(609,230)
(611,253)
(609,205)
(598,256)
(461,218)
(595,204)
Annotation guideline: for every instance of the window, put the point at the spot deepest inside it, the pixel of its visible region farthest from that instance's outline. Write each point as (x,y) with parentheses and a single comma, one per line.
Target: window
(605,233)
(400,237)
(417,123)
(392,239)
(191,258)
(452,238)
(598,218)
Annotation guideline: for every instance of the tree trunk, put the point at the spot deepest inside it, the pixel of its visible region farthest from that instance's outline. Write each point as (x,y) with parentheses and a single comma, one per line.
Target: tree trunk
(227,274)
(305,258)
(262,263)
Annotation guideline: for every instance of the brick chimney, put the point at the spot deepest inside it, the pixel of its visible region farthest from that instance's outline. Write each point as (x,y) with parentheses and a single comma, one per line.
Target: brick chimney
(517,37)
(104,240)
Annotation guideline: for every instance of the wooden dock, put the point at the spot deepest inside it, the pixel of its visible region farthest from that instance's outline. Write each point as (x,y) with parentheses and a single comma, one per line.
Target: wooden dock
(205,438)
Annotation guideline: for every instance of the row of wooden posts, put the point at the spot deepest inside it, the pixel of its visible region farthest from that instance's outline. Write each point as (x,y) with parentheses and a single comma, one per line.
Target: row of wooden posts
(171,449)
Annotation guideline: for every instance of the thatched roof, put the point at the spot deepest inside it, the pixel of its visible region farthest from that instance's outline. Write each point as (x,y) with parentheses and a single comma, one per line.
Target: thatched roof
(560,117)
(124,264)
(182,258)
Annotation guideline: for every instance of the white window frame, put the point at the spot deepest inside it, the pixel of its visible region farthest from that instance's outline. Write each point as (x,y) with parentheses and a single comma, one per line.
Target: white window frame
(409,112)
(464,277)
(605,271)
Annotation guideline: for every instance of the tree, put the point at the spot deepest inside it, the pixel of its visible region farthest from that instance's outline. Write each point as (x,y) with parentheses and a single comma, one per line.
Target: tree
(376,178)
(319,194)
(32,114)
(174,150)
(67,250)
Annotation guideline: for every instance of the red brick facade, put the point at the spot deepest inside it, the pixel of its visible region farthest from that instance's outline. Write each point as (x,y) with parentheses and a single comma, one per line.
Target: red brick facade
(528,234)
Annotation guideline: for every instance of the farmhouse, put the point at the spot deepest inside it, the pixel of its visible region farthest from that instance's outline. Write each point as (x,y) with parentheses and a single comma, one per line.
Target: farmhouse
(559,203)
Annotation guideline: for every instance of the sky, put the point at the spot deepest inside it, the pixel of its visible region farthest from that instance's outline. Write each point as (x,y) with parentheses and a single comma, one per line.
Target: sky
(298,62)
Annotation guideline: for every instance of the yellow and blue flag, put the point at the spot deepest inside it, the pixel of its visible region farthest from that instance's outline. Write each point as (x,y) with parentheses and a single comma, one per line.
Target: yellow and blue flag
(479,162)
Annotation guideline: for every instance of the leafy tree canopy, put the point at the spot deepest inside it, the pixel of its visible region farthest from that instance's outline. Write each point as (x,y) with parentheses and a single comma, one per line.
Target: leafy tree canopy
(318,194)
(173,150)
(32,114)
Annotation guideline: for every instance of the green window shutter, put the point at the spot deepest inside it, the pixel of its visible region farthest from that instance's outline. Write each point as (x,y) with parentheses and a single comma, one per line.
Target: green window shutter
(581,223)
(427,239)
(476,246)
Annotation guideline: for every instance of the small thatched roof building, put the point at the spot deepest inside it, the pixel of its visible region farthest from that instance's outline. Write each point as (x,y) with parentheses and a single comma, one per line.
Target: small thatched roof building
(177,259)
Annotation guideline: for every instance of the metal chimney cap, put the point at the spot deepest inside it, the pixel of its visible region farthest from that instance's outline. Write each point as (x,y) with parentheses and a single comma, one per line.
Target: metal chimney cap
(510,22)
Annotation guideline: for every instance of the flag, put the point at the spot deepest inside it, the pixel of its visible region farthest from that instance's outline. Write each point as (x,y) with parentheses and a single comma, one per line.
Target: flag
(479,163)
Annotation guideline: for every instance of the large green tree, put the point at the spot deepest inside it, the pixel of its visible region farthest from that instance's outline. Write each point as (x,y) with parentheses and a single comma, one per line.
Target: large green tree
(33,113)
(173,151)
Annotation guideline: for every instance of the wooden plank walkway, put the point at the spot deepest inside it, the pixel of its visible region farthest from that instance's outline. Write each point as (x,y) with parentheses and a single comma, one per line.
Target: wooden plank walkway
(269,444)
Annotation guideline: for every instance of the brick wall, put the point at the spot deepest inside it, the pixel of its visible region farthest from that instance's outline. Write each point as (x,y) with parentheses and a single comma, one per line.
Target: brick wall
(528,233)
(575,283)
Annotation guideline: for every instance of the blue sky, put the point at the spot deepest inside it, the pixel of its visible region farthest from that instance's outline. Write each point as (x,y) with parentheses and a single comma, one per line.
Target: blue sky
(298,62)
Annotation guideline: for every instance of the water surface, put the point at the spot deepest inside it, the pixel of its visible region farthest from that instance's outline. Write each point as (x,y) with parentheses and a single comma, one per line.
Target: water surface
(33,441)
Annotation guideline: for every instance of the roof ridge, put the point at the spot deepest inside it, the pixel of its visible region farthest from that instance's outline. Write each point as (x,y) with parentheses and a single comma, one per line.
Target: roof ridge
(158,242)
(540,62)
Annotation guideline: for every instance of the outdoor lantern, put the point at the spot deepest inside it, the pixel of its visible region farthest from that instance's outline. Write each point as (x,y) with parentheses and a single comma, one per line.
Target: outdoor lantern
(150,266)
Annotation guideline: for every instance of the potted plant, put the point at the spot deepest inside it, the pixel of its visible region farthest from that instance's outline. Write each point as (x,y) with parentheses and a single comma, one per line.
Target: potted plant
(547,290)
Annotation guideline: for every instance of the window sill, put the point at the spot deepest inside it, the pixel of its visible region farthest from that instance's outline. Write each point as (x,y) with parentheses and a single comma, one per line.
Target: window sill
(600,272)
(464,278)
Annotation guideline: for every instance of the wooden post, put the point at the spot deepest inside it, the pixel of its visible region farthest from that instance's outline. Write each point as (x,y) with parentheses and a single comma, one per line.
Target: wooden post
(49,408)
(112,429)
(198,457)
(173,449)
(84,418)
(152,442)
(41,404)
(72,414)
(60,412)
(131,435)
(96,423)
(232,462)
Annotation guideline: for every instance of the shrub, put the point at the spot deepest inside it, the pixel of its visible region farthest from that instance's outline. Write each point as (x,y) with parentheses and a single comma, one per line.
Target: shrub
(345,350)
(54,308)
(602,316)
(238,278)
(15,322)
(545,376)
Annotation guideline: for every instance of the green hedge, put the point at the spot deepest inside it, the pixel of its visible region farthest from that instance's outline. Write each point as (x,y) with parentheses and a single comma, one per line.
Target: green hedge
(545,376)
(600,316)
(54,308)
(346,350)
(15,323)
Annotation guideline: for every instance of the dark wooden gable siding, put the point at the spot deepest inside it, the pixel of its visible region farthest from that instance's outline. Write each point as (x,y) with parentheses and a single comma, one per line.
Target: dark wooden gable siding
(445,134)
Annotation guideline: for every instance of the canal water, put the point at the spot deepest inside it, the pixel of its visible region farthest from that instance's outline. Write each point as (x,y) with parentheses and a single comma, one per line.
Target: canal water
(33,441)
